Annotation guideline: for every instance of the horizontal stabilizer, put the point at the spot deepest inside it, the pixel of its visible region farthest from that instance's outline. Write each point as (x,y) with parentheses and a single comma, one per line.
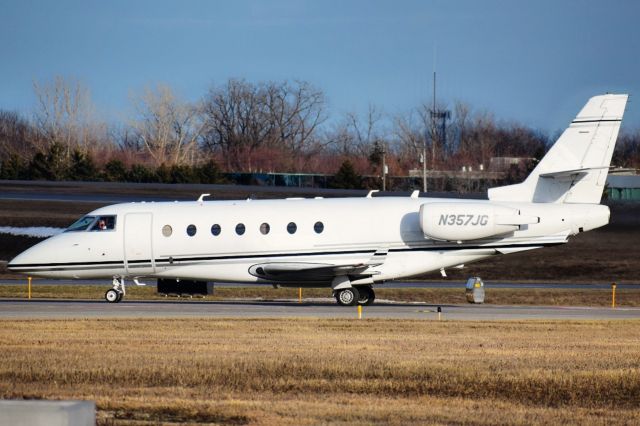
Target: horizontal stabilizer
(572,173)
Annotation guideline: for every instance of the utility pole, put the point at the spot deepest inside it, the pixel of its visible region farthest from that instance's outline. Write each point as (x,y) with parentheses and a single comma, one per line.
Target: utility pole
(433,125)
(438,131)
(384,167)
(424,142)
(424,162)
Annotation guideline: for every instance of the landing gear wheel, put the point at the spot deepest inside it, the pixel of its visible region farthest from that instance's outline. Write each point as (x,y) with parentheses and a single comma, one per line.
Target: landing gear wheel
(367,296)
(113,296)
(120,296)
(347,296)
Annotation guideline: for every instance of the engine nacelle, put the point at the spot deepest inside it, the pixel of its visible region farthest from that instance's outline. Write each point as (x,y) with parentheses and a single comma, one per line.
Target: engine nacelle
(469,221)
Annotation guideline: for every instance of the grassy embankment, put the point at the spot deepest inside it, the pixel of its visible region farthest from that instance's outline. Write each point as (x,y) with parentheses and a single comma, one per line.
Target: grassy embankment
(307,371)
(554,297)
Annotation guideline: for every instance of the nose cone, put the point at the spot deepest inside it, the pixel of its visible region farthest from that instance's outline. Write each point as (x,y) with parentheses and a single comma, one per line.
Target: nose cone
(32,260)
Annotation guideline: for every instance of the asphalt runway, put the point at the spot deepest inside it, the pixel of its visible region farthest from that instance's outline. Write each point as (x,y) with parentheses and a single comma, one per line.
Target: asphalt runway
(320,308)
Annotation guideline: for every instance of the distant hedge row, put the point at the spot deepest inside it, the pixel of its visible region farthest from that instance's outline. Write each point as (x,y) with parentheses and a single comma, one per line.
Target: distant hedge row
(58,165)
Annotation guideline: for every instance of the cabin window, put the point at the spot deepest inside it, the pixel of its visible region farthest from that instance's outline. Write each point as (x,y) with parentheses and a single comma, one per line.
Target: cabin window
(240,228)
(292,228)
(215,229)
(191,230)
(81,224)
(265,228)
(318,227)
(167,230)
(104,223)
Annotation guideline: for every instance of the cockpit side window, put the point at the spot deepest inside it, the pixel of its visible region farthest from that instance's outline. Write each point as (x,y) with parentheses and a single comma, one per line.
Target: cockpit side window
(104,223)
(81,224)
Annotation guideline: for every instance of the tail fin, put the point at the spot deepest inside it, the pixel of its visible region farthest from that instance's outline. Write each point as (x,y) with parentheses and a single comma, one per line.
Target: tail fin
(575,168)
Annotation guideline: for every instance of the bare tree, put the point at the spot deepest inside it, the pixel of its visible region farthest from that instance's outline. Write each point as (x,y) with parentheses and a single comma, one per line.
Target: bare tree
(236,122)
(63,114)
(411,134)
(166,127)
(355,134)
(16,136)
(243,119)
(295,110)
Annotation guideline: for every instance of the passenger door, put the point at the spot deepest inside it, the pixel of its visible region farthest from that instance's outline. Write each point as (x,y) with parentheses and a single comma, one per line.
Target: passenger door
(138,244)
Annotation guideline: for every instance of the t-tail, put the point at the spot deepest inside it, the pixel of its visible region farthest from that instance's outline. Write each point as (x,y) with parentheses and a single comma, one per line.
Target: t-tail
(575,168)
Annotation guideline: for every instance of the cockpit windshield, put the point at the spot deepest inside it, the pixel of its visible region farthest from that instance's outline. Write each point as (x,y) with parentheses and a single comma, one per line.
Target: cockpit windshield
(81,224)
(104,223)
(93,223)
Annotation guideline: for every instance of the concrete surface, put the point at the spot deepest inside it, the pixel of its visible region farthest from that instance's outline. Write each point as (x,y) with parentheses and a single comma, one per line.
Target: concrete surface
(47,413)
(314,308)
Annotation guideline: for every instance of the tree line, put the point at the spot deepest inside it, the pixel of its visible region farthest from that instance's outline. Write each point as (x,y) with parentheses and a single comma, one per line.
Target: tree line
(240,126)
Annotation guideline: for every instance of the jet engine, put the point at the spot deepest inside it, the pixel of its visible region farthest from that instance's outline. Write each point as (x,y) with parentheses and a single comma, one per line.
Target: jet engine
(470,221)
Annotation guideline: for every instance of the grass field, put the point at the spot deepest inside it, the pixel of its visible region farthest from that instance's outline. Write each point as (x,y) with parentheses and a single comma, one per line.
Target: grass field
(553,297)
(307,371)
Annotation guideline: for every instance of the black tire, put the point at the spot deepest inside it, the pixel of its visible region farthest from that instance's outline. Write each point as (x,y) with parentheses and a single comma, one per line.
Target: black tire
(367,296)
(347,296)
(120,296)
(112,296)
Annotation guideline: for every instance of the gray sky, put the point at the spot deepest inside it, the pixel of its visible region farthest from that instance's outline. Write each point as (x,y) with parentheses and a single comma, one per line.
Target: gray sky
(535,62)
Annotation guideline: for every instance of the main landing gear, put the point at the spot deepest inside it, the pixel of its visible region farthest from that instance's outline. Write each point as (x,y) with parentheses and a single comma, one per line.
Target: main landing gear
(118,291)
(351,296)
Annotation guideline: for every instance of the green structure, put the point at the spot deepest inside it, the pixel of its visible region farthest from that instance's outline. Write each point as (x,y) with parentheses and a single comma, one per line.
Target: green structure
(624,188)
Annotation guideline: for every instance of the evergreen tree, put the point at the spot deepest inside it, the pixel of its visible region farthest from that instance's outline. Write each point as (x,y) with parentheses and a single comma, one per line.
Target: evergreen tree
(209,173)
(115,171)
(346,177)
(82,167)
(140,174)
(12,168)
(50,165)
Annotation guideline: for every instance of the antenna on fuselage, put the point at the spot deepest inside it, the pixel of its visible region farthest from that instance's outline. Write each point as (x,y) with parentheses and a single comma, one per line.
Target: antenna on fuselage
(201,198)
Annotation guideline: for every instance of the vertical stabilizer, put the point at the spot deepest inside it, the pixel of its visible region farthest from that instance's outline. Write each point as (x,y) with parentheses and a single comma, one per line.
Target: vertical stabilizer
(575,168)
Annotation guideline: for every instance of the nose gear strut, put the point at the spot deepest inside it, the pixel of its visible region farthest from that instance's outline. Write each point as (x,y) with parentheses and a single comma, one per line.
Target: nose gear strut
(115,294)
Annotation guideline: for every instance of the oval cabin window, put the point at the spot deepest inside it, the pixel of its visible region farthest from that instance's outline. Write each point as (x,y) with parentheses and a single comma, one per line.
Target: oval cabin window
(265,228)
(215,229)
(240,229)
(191,230)
(167,231)
(292,228)
(318,227)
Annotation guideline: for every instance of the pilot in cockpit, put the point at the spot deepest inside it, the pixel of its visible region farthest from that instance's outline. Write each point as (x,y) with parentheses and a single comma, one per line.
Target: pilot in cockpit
(102,225)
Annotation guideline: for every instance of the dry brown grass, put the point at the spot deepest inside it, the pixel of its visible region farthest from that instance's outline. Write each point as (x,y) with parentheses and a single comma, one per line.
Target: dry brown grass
(440,296)
(307,371)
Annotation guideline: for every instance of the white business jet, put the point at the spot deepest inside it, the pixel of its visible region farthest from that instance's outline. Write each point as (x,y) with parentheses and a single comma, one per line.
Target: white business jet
(348,244)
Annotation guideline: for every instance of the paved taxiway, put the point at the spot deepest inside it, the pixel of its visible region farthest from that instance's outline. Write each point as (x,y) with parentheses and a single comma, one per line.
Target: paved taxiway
(106,283)
(322,308)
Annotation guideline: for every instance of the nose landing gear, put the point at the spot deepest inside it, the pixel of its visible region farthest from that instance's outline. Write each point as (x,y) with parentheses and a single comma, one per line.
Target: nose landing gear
(118,291)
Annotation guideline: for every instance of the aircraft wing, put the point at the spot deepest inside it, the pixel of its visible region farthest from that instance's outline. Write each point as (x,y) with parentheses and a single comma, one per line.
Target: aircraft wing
(304,271)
